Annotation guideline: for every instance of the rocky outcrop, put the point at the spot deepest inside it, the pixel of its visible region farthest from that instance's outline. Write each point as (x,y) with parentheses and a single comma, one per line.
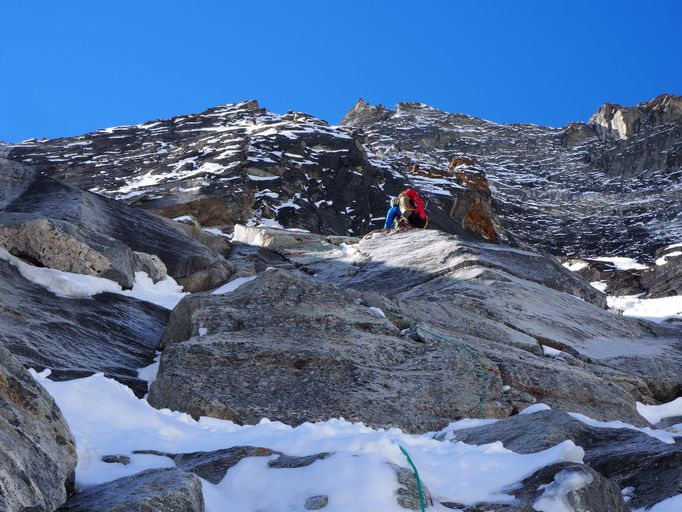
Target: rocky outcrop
(37,450)
(167,490)
(78,337)
(619,123)
(476,311)
(58,226)
(627,457)
(665,279)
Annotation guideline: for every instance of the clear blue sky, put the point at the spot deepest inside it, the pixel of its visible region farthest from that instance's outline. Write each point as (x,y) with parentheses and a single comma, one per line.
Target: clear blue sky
(74,66)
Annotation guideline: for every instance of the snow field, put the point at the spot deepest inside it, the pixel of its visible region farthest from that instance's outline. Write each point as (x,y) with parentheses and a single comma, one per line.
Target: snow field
(106,418)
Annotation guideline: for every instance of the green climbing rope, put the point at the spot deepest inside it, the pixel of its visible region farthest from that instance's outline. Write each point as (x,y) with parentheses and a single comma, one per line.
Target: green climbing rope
(485,373)
(416,476)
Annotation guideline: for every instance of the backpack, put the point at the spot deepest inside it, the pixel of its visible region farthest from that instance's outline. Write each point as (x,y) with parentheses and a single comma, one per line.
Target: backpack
(418,202)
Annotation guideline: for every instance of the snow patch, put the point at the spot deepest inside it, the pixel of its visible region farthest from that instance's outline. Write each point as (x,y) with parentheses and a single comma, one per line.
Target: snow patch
(622,263)
(232,285)
(664,259)
(554,497)
(148,373)
(655,413)
(657,310)
(166,292)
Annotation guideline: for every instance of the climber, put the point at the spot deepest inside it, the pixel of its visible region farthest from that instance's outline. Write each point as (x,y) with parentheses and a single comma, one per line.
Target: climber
(408,209)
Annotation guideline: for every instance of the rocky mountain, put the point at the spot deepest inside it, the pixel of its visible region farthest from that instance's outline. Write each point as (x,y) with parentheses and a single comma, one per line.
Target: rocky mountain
(610,186)
(214,321)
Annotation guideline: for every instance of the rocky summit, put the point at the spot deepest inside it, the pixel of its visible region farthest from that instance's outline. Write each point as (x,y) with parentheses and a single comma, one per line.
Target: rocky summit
(215,319)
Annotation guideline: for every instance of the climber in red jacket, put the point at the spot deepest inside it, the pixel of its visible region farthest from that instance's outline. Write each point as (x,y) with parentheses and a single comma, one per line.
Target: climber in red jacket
(412,209)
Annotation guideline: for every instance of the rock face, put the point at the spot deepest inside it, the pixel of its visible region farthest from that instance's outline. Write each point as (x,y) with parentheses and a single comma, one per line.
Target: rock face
(608,187)
(665,279)
(627,457)
(37,450)
(291,348)
(242,164)
(78,337)
(167,490)
(58,226)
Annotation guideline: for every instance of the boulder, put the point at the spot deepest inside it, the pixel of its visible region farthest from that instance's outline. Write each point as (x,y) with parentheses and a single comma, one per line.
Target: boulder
(565,487)
(37,450)
(59,226)
(167,490)
(627,457)
(78,337)
(290,348)
(211,466)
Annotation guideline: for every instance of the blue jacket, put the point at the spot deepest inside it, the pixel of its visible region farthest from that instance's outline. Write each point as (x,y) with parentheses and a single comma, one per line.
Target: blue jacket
(392,214)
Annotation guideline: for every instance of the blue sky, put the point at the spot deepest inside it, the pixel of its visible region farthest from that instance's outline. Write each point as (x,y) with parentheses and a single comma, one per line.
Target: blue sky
(70,67)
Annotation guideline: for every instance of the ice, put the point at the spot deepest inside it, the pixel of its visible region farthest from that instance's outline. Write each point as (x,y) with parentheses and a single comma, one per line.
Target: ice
(232,285)
(553,498)
(655,413)
(107,418)
(270,223)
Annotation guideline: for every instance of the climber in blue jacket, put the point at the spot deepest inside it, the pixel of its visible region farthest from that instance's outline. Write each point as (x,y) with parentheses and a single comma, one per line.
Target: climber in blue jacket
(392,214)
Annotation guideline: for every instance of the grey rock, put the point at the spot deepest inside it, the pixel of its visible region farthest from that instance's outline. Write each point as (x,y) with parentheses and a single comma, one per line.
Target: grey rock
(167,490)
(316,502)
(254,363)
(408,490)
(212,466)
(665,280)
(502,304)
(596,492)
(628,457)
(116,459)
(37,450)
(62,227)
(290,462)
(78,337)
